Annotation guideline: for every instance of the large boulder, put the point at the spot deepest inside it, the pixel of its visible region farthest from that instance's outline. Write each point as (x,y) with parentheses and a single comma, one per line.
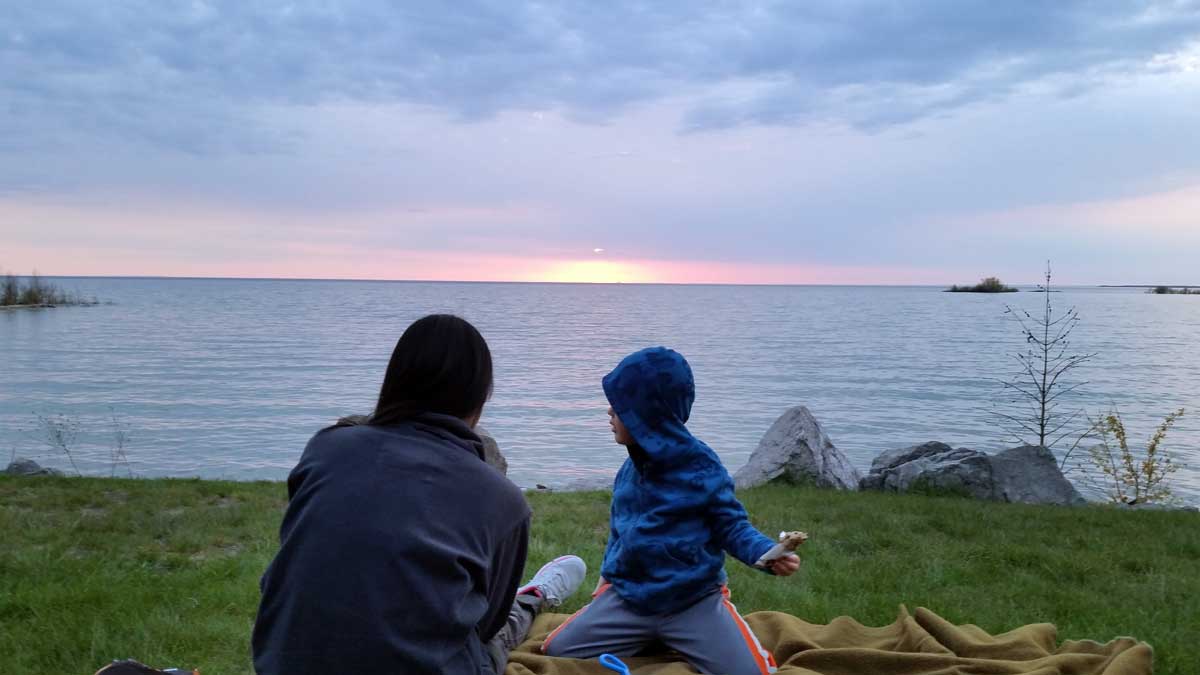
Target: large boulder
(491,451)
(1028,474)
(28,467)
(796,450)
(931,466)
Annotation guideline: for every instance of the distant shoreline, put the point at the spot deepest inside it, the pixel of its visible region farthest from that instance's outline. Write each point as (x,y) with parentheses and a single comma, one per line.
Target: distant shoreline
(52,305)
(1019,286)
(513,283)
(937,286)
(31,292)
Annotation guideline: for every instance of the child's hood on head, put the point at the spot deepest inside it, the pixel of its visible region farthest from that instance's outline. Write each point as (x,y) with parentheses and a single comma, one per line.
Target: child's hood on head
(652,392)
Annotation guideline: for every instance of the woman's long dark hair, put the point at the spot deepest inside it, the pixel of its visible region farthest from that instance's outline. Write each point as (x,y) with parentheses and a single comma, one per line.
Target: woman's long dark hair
(440,365)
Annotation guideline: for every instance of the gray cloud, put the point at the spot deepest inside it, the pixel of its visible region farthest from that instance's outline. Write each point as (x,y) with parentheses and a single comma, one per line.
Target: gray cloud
(195,78)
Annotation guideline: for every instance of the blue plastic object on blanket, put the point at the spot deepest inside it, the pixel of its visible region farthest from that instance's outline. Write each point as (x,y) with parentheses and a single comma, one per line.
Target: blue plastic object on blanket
(613,663)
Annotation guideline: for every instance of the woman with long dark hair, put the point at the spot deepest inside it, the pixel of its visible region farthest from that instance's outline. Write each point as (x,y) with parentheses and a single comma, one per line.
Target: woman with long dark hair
(401,550)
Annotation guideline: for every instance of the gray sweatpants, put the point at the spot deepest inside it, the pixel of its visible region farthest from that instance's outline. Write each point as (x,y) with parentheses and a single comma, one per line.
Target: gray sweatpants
(710,634)
(516,629)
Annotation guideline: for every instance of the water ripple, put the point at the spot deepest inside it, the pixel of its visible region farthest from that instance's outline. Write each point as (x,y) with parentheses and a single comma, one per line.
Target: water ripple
(223,378)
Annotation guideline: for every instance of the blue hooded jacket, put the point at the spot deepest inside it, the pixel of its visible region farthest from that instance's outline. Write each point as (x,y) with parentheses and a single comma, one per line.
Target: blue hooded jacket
(674,512)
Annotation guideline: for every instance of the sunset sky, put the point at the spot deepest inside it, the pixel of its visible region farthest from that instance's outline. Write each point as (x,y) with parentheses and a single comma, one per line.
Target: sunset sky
(803,142)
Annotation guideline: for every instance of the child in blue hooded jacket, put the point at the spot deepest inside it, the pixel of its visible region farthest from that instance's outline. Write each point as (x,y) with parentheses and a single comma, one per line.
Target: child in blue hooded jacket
(674,515)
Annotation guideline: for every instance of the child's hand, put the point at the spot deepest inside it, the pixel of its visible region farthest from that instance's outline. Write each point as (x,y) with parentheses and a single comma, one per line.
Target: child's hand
(786,566)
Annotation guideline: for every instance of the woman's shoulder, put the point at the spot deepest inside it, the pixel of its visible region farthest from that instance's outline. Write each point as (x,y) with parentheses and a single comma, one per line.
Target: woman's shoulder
(339,434)
(401,453)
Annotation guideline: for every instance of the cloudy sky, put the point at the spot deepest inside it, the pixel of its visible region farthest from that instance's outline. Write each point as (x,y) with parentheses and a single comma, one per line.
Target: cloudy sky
(790,142)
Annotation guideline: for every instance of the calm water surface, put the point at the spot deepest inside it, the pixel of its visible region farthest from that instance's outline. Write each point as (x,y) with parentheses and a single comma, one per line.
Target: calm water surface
(229,378)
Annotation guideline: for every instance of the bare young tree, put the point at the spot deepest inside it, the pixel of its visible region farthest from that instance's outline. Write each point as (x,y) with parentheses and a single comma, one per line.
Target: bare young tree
(121,437)
(1036,391)
(59,432)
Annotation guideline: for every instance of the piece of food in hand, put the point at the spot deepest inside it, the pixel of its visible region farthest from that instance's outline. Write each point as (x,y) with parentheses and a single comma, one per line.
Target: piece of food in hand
(788,542)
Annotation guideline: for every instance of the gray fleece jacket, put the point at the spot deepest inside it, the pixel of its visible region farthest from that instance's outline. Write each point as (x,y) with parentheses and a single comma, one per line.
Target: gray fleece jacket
(400,552)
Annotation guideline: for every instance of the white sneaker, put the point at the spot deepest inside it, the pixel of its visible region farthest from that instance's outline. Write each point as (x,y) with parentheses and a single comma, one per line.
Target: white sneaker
(557,580)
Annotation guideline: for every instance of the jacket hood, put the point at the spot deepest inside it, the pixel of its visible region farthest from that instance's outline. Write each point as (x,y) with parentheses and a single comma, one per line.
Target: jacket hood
(652,392)
(451,429)
(446,427)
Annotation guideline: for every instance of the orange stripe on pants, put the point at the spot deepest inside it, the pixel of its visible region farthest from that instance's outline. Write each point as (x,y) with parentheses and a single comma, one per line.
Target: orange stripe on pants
(763,658)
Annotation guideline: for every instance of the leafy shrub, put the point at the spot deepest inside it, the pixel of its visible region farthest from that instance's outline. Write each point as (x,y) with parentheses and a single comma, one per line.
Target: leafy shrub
(1125,477)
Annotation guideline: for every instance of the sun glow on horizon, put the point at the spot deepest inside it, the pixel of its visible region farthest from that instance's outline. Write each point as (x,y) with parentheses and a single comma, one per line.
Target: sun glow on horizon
(594,272)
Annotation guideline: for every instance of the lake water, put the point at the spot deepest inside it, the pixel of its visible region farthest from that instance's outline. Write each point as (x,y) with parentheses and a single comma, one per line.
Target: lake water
(229,378)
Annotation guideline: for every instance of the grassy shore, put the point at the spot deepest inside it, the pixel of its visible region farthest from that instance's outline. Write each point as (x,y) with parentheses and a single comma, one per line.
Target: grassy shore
(166,571)
(34,292)
(988,285)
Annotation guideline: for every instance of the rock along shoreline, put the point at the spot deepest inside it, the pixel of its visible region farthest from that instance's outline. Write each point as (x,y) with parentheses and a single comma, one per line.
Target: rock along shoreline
(796,450)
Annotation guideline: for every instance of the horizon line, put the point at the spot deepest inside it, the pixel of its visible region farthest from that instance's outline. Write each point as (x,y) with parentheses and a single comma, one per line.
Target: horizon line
(543,283)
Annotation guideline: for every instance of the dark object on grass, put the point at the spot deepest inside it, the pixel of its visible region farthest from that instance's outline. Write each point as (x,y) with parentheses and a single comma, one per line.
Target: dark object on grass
(1156,506)
(28,467)
(988,285)
(131,667)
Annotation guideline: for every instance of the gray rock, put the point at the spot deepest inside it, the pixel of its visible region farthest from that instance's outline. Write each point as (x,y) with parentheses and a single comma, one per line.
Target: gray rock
(795,449)
(932,466)
(1027,475)
(1030,475)
(28,467)
(491,451)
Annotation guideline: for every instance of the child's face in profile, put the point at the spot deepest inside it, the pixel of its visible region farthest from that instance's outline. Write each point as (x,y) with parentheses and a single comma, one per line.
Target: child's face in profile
(620,433)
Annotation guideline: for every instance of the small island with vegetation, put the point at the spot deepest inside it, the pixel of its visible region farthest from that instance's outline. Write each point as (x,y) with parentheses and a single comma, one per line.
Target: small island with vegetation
(1174,290)
(988,285)
(34,292)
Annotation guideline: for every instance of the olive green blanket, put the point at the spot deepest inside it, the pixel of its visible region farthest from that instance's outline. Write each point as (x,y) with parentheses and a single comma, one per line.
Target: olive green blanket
(921,643)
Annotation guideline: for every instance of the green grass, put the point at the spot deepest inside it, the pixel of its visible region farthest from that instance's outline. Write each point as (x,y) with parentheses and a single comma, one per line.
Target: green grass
(166,571)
